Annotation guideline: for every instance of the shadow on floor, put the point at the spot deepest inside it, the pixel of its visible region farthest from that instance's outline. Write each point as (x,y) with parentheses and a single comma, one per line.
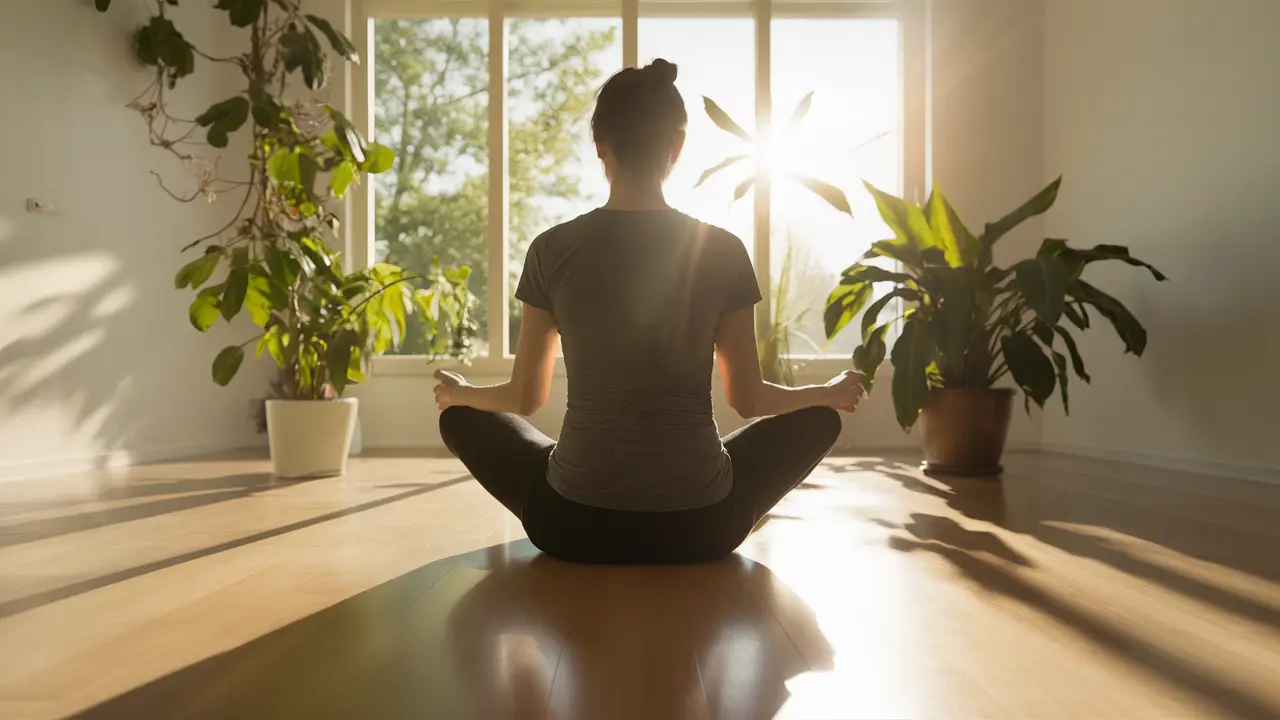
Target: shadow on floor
(1109,636)
(506,632)
(30,602)
(1039,504)
(189,493)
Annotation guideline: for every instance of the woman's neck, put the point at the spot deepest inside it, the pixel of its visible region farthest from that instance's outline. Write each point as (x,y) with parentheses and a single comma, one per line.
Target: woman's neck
(636,194)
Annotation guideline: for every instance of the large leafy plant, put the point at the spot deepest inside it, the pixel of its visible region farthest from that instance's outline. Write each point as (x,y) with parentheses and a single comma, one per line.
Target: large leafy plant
(969,322)
(273,258)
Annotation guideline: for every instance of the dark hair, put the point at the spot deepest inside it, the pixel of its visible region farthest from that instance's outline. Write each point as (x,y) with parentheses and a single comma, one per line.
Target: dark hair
(637,113)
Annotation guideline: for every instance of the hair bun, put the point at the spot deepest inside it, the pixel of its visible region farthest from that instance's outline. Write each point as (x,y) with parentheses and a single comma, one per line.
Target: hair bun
(661,70)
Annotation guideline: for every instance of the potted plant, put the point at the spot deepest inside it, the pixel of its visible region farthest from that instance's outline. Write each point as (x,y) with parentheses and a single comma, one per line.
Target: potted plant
(970,323)
(273,258)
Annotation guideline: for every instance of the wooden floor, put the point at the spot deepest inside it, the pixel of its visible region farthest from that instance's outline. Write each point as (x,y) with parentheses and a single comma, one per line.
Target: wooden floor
(1074,589)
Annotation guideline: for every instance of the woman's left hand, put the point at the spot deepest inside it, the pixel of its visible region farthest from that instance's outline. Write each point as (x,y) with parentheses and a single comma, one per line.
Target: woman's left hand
(447,388)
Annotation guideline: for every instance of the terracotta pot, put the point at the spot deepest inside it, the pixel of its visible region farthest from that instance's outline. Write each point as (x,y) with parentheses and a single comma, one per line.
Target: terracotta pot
(310,438)
(963,431)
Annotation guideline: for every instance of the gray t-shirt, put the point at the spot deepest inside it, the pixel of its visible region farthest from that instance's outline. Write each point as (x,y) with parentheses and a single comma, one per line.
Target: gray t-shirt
(637,297)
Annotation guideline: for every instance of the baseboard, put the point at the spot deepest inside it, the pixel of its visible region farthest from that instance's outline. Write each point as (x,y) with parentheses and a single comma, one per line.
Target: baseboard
(118,459)
(1238,471)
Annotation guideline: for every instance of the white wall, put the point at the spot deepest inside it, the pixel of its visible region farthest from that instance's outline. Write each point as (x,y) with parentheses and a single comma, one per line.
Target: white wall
(98,363)
(1163,115)
(988,154)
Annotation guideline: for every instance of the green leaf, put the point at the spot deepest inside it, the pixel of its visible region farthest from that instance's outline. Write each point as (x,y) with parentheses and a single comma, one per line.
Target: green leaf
(224,118)
(356,369)
(380,159)
(955,320)
(278,268)
(341,178)
(896,250)
(743,187)
(1060,362)
(237,285)
(907,221)
(913,353)
(833,195)
(1037,205)
(267,113)
(1031,370)
(301,51)
(197,272)
(340,43)
(159,44)
(1110,252)
(727,162)
(203,311)
(338,358)
(959,245)
(843,304)
(270,342)
(868,356)
(102,5)
(872,316)
(722,119)
(319,255)
(308,168)
(1075,312)
(348,138)
(1076,361)
(227,364)
(1052,247)
(860,272)
(257,300)
(1043,333)
(1126,325)
(282,167)
(243,12)
(1042,281)
(802,109)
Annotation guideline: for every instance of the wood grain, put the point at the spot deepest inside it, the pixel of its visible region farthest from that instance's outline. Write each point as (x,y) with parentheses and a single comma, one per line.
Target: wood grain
(209,589)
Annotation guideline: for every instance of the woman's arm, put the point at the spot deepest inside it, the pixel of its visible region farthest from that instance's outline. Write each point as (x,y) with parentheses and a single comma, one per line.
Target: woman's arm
(750,395)
(530,382)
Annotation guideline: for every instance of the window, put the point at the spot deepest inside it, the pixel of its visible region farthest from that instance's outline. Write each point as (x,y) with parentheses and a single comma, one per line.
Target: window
(554,67)
(479,176)
(852,133)
(431,81)
(715,58)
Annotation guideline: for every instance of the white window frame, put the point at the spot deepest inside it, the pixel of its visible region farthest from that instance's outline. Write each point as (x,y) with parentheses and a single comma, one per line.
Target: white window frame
(911,14)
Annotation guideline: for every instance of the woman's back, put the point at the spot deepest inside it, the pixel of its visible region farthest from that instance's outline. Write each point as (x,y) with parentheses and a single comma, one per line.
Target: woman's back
(637,297)
(644,301)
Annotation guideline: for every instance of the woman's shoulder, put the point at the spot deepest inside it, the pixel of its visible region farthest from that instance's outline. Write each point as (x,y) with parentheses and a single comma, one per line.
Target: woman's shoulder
(565,233)
(712,235)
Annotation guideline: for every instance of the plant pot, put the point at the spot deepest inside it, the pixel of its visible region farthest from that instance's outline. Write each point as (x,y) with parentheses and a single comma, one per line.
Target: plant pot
(310,438)
(963,431)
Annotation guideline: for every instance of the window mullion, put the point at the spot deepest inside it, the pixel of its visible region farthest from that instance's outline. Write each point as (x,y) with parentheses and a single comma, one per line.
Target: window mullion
(359,228)
(498,183)
(630,33)
(764,107)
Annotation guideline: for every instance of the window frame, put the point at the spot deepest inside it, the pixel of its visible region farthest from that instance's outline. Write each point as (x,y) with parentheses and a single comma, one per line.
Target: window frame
(913,23)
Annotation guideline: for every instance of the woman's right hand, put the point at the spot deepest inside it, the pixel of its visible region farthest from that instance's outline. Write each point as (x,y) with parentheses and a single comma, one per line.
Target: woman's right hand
(845,391)
(447,386)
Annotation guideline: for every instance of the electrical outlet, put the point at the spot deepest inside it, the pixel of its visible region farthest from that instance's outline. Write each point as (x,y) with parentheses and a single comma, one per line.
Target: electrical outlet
(36,206)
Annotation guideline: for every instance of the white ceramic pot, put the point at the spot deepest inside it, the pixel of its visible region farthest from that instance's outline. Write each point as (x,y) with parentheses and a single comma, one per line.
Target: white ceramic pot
(310,438)
(357,439)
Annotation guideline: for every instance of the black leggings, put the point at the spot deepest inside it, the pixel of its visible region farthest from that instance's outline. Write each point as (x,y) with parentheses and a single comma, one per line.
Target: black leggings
(508,456)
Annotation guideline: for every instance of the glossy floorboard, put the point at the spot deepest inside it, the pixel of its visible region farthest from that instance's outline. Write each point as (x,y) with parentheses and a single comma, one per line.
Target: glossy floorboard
(1074,588)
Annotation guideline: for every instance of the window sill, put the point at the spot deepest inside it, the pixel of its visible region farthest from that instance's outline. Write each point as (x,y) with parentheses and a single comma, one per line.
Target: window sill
(807,369)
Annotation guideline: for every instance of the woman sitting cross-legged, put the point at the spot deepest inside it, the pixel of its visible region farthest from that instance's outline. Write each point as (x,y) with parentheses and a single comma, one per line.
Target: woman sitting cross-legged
(645,299)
